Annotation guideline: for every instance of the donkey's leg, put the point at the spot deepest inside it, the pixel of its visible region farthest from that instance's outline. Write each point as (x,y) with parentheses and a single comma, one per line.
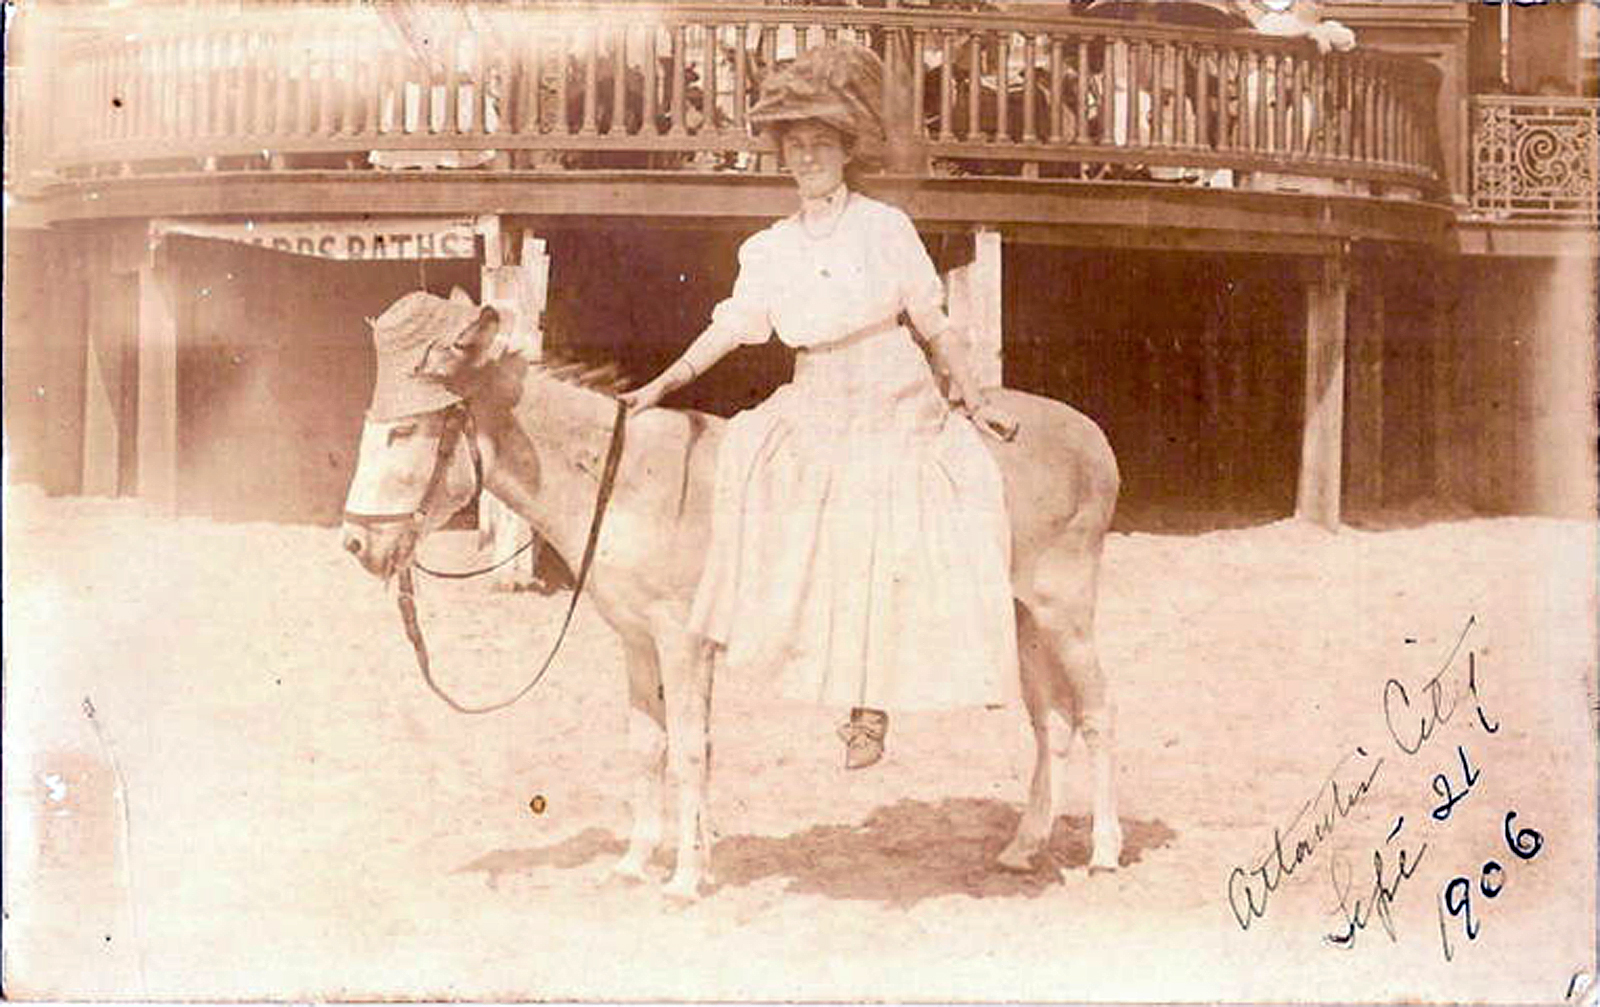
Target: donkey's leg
(1061,600)
(647,745)
(1052,737)
(686,665)
(1097,721)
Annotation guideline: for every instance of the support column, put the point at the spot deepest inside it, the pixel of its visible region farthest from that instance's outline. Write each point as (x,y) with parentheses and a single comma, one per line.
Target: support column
(1321,446)
(158,382)
(104,413)
(974,293)
(521,289)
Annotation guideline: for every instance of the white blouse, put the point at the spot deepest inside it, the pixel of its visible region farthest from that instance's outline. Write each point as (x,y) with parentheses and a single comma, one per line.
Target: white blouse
(815,290)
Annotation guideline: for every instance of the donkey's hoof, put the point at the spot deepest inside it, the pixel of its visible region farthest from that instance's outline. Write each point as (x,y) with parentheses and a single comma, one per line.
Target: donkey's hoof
(627,871)
(1106,856)
(1019,857)
(681,892)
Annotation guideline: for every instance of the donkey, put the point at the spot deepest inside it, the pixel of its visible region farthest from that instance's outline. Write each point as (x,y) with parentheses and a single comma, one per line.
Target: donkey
(540,436)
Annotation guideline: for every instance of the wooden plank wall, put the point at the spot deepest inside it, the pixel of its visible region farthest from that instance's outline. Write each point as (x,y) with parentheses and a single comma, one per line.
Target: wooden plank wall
(1410,301)
(1439,422)
(1466,386)
(45,305)
(674,279)
(1516,397)
(1470,388)
(1193,365)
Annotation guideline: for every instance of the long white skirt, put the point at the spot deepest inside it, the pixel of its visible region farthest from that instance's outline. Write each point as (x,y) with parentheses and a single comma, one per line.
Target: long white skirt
(860,550)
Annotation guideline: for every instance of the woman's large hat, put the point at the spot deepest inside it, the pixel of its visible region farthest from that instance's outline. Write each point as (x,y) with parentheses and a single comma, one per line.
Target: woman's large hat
(402,335)
(840,84)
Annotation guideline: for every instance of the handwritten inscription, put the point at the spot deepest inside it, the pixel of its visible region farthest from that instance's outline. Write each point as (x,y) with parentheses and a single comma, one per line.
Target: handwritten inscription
(1455,898)
(1250,889)
(1386,883)
(1413,722)
(1385,887)
(1414,716)
(1443,786)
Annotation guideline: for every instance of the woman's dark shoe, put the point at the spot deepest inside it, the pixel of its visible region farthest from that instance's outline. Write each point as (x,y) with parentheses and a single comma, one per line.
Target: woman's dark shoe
(863,737)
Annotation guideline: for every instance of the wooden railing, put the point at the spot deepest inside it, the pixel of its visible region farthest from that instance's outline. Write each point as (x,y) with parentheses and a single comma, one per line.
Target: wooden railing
(624,86)
(1535,158)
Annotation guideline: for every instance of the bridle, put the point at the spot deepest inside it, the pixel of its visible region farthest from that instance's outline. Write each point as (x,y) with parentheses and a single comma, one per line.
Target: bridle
(457,422)
(458,426)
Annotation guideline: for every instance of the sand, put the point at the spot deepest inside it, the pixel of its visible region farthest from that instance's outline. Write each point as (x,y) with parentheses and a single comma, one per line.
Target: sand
(266,802)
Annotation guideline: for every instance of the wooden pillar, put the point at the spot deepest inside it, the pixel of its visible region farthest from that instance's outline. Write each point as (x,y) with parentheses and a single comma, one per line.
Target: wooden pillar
(521,289)
(1364,394)
(976,300)
(158,381)
(102,433)
(110,369)
(1321,444)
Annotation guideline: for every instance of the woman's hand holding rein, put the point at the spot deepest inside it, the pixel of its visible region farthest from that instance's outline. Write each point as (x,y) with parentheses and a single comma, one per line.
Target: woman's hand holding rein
(650,395)
(681,373)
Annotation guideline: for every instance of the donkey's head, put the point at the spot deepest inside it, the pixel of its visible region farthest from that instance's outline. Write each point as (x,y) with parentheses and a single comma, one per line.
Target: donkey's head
(418,462)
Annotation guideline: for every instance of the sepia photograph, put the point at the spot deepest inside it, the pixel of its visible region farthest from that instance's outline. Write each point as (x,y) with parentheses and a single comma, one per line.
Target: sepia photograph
(789,501)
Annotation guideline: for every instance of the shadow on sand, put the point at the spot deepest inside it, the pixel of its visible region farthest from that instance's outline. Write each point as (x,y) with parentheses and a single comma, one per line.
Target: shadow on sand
(900,855)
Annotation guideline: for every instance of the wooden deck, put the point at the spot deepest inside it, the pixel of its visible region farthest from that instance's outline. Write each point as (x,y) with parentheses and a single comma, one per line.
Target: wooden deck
(1116,214)
(623,109)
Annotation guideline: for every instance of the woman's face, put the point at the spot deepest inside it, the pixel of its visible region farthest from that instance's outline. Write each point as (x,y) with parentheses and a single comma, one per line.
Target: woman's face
(815,155)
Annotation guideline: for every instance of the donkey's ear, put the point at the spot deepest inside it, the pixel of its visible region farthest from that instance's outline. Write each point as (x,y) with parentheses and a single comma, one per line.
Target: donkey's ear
(480,334)
(449,359)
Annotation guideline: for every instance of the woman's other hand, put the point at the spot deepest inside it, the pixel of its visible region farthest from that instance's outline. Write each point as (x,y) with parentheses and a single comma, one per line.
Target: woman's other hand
(994,421)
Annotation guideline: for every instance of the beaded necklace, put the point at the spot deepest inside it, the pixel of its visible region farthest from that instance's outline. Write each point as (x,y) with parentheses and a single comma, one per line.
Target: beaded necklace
(832,199)
(843,203)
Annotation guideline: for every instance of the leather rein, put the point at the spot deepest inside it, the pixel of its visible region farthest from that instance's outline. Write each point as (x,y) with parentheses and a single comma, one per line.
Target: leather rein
(458,428)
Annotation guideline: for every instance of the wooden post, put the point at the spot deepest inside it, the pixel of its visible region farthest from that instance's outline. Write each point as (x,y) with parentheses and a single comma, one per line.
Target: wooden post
(1327,299)
(158,381)
(1364,399)
(534,263)
(493,247)
(103,377)
(974,294)
(521,289)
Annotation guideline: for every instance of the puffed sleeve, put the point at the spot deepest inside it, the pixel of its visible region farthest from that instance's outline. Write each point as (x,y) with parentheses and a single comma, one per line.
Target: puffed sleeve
(746,315)
(921,291)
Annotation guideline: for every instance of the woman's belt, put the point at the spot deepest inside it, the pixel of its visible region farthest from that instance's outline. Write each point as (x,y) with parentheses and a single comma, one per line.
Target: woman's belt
(856,336)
